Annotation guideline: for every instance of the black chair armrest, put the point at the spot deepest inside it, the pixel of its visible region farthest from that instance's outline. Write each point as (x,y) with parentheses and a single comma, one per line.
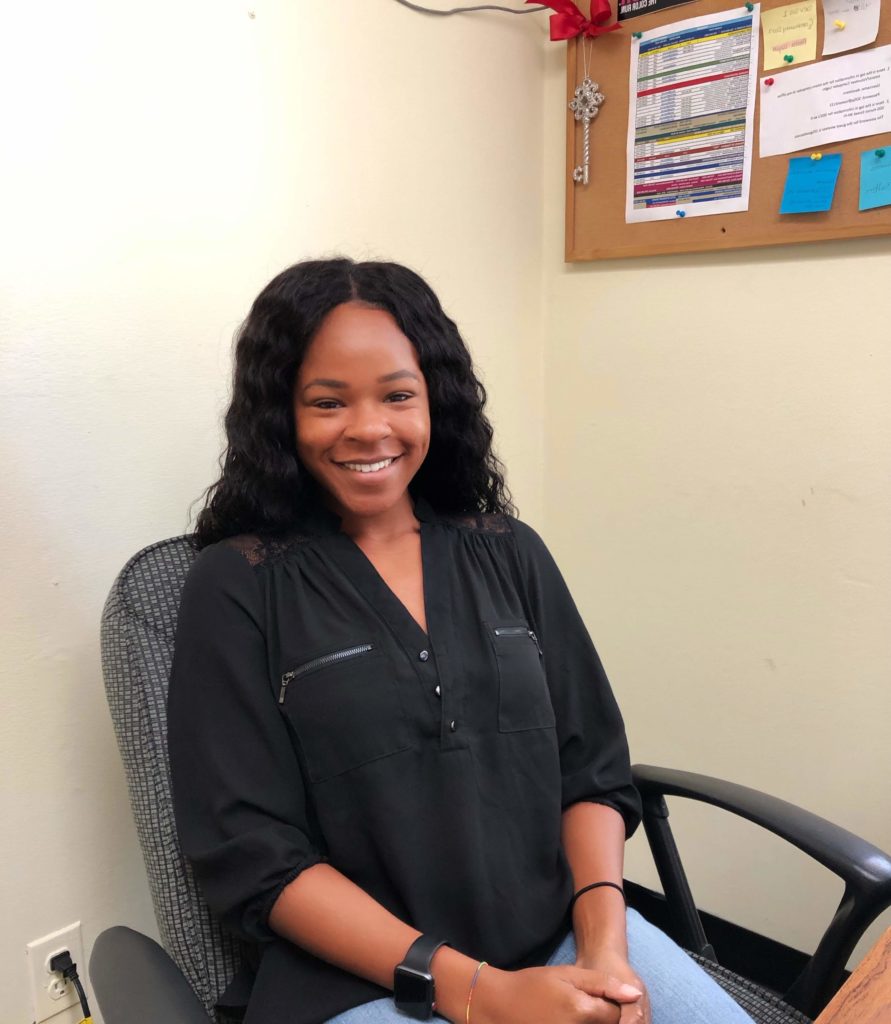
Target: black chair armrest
(136,982)
(865,869)
(853,859)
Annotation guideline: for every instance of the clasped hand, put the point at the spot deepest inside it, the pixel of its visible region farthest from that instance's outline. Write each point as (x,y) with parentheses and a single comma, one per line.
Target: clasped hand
(565,994)
(615,965)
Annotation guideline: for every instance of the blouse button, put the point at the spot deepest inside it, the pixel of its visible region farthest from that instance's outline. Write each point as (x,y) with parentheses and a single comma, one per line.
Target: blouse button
(452,726)
(424,655)
(437,690)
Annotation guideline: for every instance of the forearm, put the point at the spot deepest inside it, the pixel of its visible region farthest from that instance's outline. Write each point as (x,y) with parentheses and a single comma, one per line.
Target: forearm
(593,837)
(325,913)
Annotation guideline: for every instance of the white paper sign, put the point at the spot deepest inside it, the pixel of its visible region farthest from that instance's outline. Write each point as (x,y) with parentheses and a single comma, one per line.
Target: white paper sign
(838,99)
(848,24)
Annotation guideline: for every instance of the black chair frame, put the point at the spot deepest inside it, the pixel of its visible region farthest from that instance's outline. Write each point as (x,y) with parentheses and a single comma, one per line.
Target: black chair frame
(865,870)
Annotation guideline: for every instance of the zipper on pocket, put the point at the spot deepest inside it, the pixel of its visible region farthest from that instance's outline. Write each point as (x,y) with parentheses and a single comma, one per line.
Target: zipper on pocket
(326,659)
(519,631)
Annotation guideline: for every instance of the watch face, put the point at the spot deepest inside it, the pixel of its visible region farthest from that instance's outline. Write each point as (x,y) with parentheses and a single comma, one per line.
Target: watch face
(414,992)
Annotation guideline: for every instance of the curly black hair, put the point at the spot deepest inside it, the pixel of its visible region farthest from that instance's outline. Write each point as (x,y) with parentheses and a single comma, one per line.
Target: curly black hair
(263,488)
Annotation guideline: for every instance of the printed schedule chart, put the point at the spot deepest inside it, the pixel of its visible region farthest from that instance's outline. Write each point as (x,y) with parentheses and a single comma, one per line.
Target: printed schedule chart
(690,123)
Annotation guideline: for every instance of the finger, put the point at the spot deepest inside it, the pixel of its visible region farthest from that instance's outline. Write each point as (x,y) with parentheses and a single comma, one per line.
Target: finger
(597,1011)
(606,987)
(635,1013)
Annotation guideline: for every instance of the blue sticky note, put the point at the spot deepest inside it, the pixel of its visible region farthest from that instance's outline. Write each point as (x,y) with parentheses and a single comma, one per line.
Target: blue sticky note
(810,184)
(875,178)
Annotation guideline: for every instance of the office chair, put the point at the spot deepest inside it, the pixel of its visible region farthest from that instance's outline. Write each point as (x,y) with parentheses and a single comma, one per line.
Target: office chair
(136,981)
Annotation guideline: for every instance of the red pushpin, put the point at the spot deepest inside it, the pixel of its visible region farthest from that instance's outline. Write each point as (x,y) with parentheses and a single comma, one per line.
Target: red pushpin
(768,81)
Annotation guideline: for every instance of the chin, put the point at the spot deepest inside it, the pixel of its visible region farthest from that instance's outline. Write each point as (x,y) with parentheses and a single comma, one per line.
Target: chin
(368,505)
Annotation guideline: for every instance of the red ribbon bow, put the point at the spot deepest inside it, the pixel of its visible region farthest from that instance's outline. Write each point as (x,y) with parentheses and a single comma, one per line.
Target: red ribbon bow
(569,21)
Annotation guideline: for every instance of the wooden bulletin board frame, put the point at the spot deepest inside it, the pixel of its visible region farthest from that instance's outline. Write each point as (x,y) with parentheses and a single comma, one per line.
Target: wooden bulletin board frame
(595,213)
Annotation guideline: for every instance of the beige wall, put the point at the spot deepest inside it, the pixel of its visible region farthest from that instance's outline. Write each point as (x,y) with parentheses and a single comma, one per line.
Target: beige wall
(167,160)
(717,484)
(727,536)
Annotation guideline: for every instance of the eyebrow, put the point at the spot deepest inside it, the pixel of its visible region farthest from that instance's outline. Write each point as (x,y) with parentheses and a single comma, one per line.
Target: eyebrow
(397,375)
(329,382)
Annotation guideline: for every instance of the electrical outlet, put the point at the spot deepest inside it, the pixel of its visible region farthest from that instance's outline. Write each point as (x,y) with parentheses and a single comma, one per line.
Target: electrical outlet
(50,993)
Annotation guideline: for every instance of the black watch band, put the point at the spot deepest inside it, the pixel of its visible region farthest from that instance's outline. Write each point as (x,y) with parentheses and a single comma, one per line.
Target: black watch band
(413,988)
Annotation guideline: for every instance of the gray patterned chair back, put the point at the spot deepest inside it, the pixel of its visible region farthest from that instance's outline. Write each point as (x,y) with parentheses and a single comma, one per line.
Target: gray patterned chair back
(138,627)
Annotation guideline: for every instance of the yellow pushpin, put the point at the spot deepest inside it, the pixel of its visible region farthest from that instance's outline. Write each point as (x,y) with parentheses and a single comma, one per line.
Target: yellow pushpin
(838,23)
(816,156)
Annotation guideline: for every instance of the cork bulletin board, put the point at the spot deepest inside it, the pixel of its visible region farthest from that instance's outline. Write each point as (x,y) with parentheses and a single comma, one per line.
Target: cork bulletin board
(595,213)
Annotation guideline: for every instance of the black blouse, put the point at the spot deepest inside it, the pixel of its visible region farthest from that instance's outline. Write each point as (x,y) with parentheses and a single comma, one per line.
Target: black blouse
(312,719)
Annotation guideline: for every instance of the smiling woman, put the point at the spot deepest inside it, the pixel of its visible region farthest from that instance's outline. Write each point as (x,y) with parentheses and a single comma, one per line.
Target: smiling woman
(394,752)
(361,413)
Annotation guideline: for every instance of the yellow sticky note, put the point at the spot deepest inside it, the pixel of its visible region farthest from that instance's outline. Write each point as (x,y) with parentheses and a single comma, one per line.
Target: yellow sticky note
(789,31)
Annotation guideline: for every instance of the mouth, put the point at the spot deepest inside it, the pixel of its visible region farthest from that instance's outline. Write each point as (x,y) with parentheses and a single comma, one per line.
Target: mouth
(369,467)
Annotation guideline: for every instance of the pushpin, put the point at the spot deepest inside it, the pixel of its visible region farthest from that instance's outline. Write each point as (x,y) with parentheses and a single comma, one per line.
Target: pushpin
(838,23)
(637,35)
(788,58)
(816,156)
(768,81)
(680,213)
(750,7)
(880,153)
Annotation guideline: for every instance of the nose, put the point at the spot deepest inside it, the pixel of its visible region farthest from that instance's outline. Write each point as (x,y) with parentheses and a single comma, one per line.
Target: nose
(368,423)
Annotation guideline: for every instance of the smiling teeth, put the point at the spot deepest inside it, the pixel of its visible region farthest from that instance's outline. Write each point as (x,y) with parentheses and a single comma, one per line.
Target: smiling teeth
(367,467)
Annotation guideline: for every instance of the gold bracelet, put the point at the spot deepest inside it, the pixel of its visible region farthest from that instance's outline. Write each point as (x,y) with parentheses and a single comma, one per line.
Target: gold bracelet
(480,966)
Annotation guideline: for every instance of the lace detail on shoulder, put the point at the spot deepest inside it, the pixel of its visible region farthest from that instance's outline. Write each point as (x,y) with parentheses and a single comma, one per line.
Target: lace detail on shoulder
(258,550)
(248,545)
(482,522)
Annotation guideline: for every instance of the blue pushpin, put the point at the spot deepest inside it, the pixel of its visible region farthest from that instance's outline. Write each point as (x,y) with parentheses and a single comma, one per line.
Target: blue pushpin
(680,213)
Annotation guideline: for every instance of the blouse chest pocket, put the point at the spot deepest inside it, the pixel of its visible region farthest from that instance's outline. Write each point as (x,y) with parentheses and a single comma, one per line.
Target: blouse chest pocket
(523,698)
(345,708)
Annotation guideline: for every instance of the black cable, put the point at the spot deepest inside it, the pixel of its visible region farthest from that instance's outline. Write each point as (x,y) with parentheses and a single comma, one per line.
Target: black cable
(82,996)
(63,963)
(469,10)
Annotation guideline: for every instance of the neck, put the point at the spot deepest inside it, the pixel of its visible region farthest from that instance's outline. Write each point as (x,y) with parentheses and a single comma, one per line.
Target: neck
(385,526)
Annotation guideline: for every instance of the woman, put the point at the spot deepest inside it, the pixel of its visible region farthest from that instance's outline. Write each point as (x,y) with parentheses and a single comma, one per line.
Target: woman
(389,729)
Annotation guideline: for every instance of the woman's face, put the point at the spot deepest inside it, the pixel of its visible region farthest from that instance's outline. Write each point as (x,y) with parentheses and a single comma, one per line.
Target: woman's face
(361,411)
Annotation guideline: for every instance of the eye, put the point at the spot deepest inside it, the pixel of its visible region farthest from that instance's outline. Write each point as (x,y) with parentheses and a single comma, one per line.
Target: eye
(326,403)
(400,396)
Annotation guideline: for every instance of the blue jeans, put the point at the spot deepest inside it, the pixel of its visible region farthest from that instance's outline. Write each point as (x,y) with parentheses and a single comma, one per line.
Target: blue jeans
(680,991)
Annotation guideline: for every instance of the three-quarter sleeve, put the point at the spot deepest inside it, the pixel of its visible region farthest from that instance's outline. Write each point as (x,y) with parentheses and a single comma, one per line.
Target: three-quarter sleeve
(239,798)
(594,759)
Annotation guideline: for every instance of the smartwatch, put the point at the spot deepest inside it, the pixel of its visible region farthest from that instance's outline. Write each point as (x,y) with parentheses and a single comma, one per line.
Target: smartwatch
(413,988)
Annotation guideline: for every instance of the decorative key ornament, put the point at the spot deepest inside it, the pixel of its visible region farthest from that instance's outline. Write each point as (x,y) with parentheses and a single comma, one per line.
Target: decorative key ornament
(585,106)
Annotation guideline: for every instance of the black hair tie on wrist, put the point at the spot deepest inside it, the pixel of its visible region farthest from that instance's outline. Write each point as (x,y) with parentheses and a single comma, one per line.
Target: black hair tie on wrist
(597,885)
